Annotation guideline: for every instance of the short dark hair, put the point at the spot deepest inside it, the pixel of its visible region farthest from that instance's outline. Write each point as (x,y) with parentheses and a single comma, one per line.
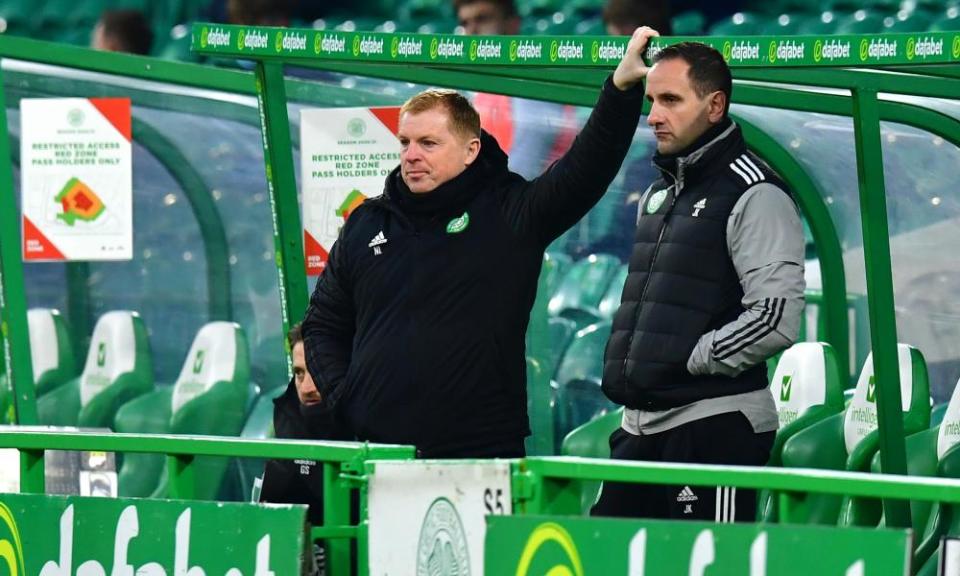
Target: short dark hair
(295,335)
(708,70)
(507,7)
(637,13)
(129,29)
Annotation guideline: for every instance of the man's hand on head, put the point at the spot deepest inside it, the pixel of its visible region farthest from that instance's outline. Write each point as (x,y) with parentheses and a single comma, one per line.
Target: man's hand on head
(632,68)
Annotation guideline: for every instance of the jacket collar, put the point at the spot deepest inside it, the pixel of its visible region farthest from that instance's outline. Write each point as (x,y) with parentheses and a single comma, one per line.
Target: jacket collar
(489,168)
(692,163)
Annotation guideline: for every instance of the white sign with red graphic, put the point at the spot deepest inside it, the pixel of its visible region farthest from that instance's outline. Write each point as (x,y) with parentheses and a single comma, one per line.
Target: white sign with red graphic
(345,156)
(76,179)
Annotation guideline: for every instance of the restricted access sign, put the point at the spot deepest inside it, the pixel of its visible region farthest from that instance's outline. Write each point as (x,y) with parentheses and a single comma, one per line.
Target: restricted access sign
(346,154)
(77,191)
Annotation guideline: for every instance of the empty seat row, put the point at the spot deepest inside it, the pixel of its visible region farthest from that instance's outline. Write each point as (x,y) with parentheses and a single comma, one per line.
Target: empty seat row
(116,389)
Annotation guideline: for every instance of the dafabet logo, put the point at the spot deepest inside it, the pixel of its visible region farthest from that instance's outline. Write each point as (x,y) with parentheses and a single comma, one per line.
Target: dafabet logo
(11,548)
(561,559)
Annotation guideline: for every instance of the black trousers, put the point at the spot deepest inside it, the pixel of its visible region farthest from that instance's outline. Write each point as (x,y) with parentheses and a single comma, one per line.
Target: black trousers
(723,439)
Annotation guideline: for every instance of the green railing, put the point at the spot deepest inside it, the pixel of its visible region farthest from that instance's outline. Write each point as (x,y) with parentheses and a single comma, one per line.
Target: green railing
(549,485)
(343,467)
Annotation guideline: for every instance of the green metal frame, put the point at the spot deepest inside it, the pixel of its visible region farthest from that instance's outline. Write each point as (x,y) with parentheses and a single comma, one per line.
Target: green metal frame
(549,485)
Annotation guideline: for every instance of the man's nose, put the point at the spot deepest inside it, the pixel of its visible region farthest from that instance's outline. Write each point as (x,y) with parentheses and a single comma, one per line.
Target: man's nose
(653,118)
(411,154)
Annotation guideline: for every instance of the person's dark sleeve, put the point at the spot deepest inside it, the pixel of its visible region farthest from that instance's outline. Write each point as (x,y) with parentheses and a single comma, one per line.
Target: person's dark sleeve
(278,476)
(557,199)
(329,324)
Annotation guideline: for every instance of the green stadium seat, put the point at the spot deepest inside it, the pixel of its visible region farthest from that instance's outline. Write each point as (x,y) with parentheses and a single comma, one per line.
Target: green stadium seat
(149,414)
(943,519)
(807,387)
(590,27)
(823,23)
(533,9)
(583,359)
(51,357)
(259,426)
(611,299)
(592,440)
(560,332)
(740,24)
(849,440)
(358,24)
(118,369)
(926,451)
(437,27)
(177,45)
(690,23)
(555,267)
(783,24)
(585,284)
(540,339)
(947,22)
(425,10)
(579,401)
(579,398)
(912,21)
(209,398)
(860,22)
(580,10)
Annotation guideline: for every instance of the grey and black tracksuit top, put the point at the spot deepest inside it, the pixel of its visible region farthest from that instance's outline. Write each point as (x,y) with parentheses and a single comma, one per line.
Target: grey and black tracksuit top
(715,287)
(415,331)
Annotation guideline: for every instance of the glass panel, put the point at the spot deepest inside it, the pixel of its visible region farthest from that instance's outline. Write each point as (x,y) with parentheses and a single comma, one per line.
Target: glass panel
(199,193)
(923,206)
(824,145)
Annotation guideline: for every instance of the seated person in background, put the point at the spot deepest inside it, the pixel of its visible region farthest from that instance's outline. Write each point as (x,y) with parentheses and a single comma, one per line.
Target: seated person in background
(297,416)
(122,31)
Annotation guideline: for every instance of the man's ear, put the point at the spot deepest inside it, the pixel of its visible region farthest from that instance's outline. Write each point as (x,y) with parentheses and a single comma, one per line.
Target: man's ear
(473,150)
(716,107)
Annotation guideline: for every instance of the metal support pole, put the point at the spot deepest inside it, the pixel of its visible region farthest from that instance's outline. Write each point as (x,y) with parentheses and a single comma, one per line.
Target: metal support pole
(883,325)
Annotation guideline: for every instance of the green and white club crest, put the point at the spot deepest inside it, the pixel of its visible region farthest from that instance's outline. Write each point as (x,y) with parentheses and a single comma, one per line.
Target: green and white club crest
(442,548)
(656,201)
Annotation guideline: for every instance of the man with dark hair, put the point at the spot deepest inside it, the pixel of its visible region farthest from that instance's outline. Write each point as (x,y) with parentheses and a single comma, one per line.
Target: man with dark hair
(299,415)
(715,287)
(488,17)
(622,17)
(122,31)
(415,331)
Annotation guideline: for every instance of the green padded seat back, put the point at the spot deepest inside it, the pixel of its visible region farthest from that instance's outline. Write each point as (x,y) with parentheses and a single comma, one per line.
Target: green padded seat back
(949,434)
(560,332)
(592,440)
(585,283)
(118,368)
(611,299)
(51,353)
(860,418)
(944,518)
(848,441)
(806,388)
(807,378)
(584,356)
(218,354)
(119,347)
(210,397)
